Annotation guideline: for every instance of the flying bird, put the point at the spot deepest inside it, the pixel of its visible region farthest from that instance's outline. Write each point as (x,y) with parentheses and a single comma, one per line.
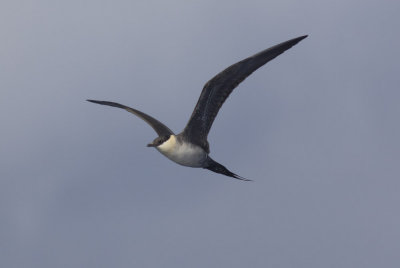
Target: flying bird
(190,147)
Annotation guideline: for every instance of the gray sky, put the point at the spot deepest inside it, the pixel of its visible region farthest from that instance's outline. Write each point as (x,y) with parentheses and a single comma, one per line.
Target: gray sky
(317,129)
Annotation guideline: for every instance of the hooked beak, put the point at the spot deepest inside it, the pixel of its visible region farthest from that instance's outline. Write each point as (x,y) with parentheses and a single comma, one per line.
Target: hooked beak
(151,145)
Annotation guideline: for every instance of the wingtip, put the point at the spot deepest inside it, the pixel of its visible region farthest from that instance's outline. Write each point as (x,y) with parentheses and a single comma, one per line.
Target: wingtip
(98,102)
(298,39)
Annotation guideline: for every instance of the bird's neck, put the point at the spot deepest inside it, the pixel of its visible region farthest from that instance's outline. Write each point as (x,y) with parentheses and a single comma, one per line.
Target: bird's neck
(168,145)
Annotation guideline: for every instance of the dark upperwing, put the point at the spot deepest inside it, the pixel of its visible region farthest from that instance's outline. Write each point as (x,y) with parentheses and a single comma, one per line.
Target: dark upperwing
(159,127)
(217,90)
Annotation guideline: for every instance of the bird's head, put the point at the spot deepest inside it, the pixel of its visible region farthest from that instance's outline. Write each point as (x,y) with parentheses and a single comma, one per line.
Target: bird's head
(159,141)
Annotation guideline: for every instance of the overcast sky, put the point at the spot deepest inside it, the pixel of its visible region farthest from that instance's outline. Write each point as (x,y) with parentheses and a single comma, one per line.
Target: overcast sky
(317,129)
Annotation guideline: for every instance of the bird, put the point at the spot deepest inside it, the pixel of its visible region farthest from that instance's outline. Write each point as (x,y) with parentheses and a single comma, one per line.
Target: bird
(190,147)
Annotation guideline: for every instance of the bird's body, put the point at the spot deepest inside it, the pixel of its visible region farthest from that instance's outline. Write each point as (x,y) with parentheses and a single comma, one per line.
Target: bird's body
(190,147)
(182,152)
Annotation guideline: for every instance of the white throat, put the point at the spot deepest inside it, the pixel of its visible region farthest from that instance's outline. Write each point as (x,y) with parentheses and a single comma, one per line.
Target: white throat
(168,145)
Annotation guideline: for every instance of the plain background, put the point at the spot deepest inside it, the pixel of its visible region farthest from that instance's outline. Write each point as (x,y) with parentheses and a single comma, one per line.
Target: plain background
(317,129)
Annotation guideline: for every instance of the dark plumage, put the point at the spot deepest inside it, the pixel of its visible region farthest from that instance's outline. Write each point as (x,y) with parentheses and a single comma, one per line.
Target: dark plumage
(217,90)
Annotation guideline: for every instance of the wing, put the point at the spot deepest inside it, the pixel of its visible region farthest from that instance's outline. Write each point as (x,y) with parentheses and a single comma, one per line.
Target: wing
(159,127)
(217,90)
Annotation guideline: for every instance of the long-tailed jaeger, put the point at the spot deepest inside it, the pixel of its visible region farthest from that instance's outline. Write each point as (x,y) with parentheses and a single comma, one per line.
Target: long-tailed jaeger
(190,147)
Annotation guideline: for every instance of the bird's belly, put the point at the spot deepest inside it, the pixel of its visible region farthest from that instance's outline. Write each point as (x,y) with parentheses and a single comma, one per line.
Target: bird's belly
(186,155)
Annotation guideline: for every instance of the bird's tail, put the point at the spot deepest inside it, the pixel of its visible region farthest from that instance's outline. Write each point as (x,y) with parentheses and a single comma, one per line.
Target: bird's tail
(218,168)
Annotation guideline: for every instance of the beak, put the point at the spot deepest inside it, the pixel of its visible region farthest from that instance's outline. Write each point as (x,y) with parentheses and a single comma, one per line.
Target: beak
(151,145)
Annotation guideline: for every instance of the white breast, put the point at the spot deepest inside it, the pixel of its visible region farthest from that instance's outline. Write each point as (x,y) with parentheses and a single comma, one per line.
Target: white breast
(183,153)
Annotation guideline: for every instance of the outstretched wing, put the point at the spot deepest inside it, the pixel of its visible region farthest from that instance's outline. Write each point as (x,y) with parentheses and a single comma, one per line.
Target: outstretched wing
(217,90)
(159,127)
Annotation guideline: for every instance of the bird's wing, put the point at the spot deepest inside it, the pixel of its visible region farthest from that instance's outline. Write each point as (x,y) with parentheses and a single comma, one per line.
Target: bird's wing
(159,127)
(217,90)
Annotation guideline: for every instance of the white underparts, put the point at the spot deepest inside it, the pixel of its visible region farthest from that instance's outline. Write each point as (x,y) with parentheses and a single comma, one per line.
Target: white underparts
(183,153)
